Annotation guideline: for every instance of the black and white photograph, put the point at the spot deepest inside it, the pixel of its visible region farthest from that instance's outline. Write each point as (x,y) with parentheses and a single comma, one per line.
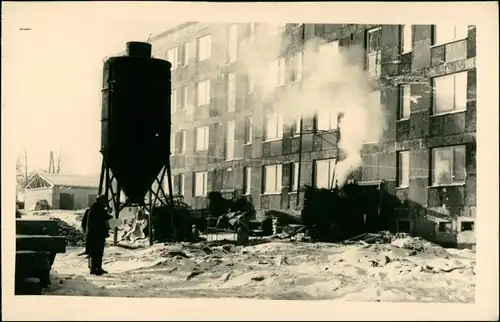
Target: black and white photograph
(248,158)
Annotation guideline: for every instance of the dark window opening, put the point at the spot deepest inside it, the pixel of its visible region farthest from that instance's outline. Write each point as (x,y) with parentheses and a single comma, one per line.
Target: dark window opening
(445,227)
(66,201)
(467,226)
(404,226)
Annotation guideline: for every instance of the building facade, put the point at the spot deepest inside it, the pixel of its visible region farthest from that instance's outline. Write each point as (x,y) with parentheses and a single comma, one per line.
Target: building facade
(222,137)
(65,192)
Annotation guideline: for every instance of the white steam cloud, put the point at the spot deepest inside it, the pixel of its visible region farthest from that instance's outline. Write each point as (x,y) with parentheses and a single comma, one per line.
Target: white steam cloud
(332,83)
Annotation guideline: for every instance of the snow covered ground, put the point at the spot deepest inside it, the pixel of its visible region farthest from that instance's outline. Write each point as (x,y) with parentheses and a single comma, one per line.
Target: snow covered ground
(273,270)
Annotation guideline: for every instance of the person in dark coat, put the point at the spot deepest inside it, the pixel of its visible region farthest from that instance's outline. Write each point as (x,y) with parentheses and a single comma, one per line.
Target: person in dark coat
(96,227)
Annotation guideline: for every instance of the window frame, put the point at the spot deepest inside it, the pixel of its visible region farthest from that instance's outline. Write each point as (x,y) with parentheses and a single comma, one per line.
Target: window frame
(297,127)
(373,53)
(445,227)
(406,46)
(332,121)
(230,141)
(278,118)
(182,138)
(451,169)
(206,132)
(331,172)
(294,183)
(204,190)
(175,59)
(199,42)
(402,88)
(472,225)
(403,184)
(231,92)
(173,139)
(207,91)
(248,130)
(247,181)
(449,39)
(173,101)
(463,75)
(185,54)
(278,177)
(181,187)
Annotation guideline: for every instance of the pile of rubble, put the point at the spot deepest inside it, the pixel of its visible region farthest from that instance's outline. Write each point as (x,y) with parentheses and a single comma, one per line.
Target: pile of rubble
(74,237)
(401,240)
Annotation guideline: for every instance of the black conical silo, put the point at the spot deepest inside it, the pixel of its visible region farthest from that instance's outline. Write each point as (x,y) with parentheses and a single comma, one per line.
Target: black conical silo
(135,120)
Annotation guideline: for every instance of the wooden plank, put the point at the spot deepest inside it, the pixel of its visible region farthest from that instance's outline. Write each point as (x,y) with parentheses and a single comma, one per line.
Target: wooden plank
(53,244)
(36,227)
(30,264)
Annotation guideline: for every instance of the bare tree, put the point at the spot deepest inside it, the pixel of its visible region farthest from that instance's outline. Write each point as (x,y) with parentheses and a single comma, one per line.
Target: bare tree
(20,174)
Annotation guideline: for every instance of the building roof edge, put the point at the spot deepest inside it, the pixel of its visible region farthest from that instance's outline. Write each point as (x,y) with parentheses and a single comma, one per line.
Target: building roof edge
(171,30)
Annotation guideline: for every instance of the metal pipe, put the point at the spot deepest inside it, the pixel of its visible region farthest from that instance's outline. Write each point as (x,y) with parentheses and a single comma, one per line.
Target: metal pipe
(150,217)
(117,212)
(171,199)
(101,177)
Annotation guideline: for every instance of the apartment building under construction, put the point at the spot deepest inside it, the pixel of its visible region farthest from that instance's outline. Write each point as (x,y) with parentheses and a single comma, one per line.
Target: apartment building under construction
(223,139)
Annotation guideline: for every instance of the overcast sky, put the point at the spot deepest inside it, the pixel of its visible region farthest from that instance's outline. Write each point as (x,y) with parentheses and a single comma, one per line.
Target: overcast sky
(54,73)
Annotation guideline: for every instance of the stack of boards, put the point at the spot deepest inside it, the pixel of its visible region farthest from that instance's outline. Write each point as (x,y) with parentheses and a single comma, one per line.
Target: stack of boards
(37,243)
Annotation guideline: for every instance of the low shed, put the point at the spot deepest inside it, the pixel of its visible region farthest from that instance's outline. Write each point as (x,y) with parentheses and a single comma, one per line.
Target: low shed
(68,192)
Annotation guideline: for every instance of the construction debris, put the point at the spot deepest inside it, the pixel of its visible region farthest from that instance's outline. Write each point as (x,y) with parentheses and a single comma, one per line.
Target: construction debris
(41,205)
(74,237)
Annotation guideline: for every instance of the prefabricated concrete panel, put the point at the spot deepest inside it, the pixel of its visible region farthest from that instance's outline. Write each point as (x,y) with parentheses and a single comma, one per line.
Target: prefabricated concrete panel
(419,125)
(421,56)
(403,130)
(418,191)
(471,41)
(470,114)
(438,55)
(390,50)
(456,51)
(387,166)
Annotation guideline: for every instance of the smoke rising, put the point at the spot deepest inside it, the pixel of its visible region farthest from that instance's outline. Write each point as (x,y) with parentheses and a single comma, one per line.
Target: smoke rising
(332,83)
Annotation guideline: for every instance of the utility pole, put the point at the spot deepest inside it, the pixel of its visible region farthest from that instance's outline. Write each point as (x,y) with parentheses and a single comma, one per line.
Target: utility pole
(51,163)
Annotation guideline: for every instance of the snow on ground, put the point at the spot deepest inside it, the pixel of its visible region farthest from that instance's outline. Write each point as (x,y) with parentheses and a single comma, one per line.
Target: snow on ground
(272,270)
(72,218)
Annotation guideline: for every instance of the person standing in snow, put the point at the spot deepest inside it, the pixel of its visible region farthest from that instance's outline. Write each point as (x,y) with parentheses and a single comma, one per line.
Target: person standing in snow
(96,227)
